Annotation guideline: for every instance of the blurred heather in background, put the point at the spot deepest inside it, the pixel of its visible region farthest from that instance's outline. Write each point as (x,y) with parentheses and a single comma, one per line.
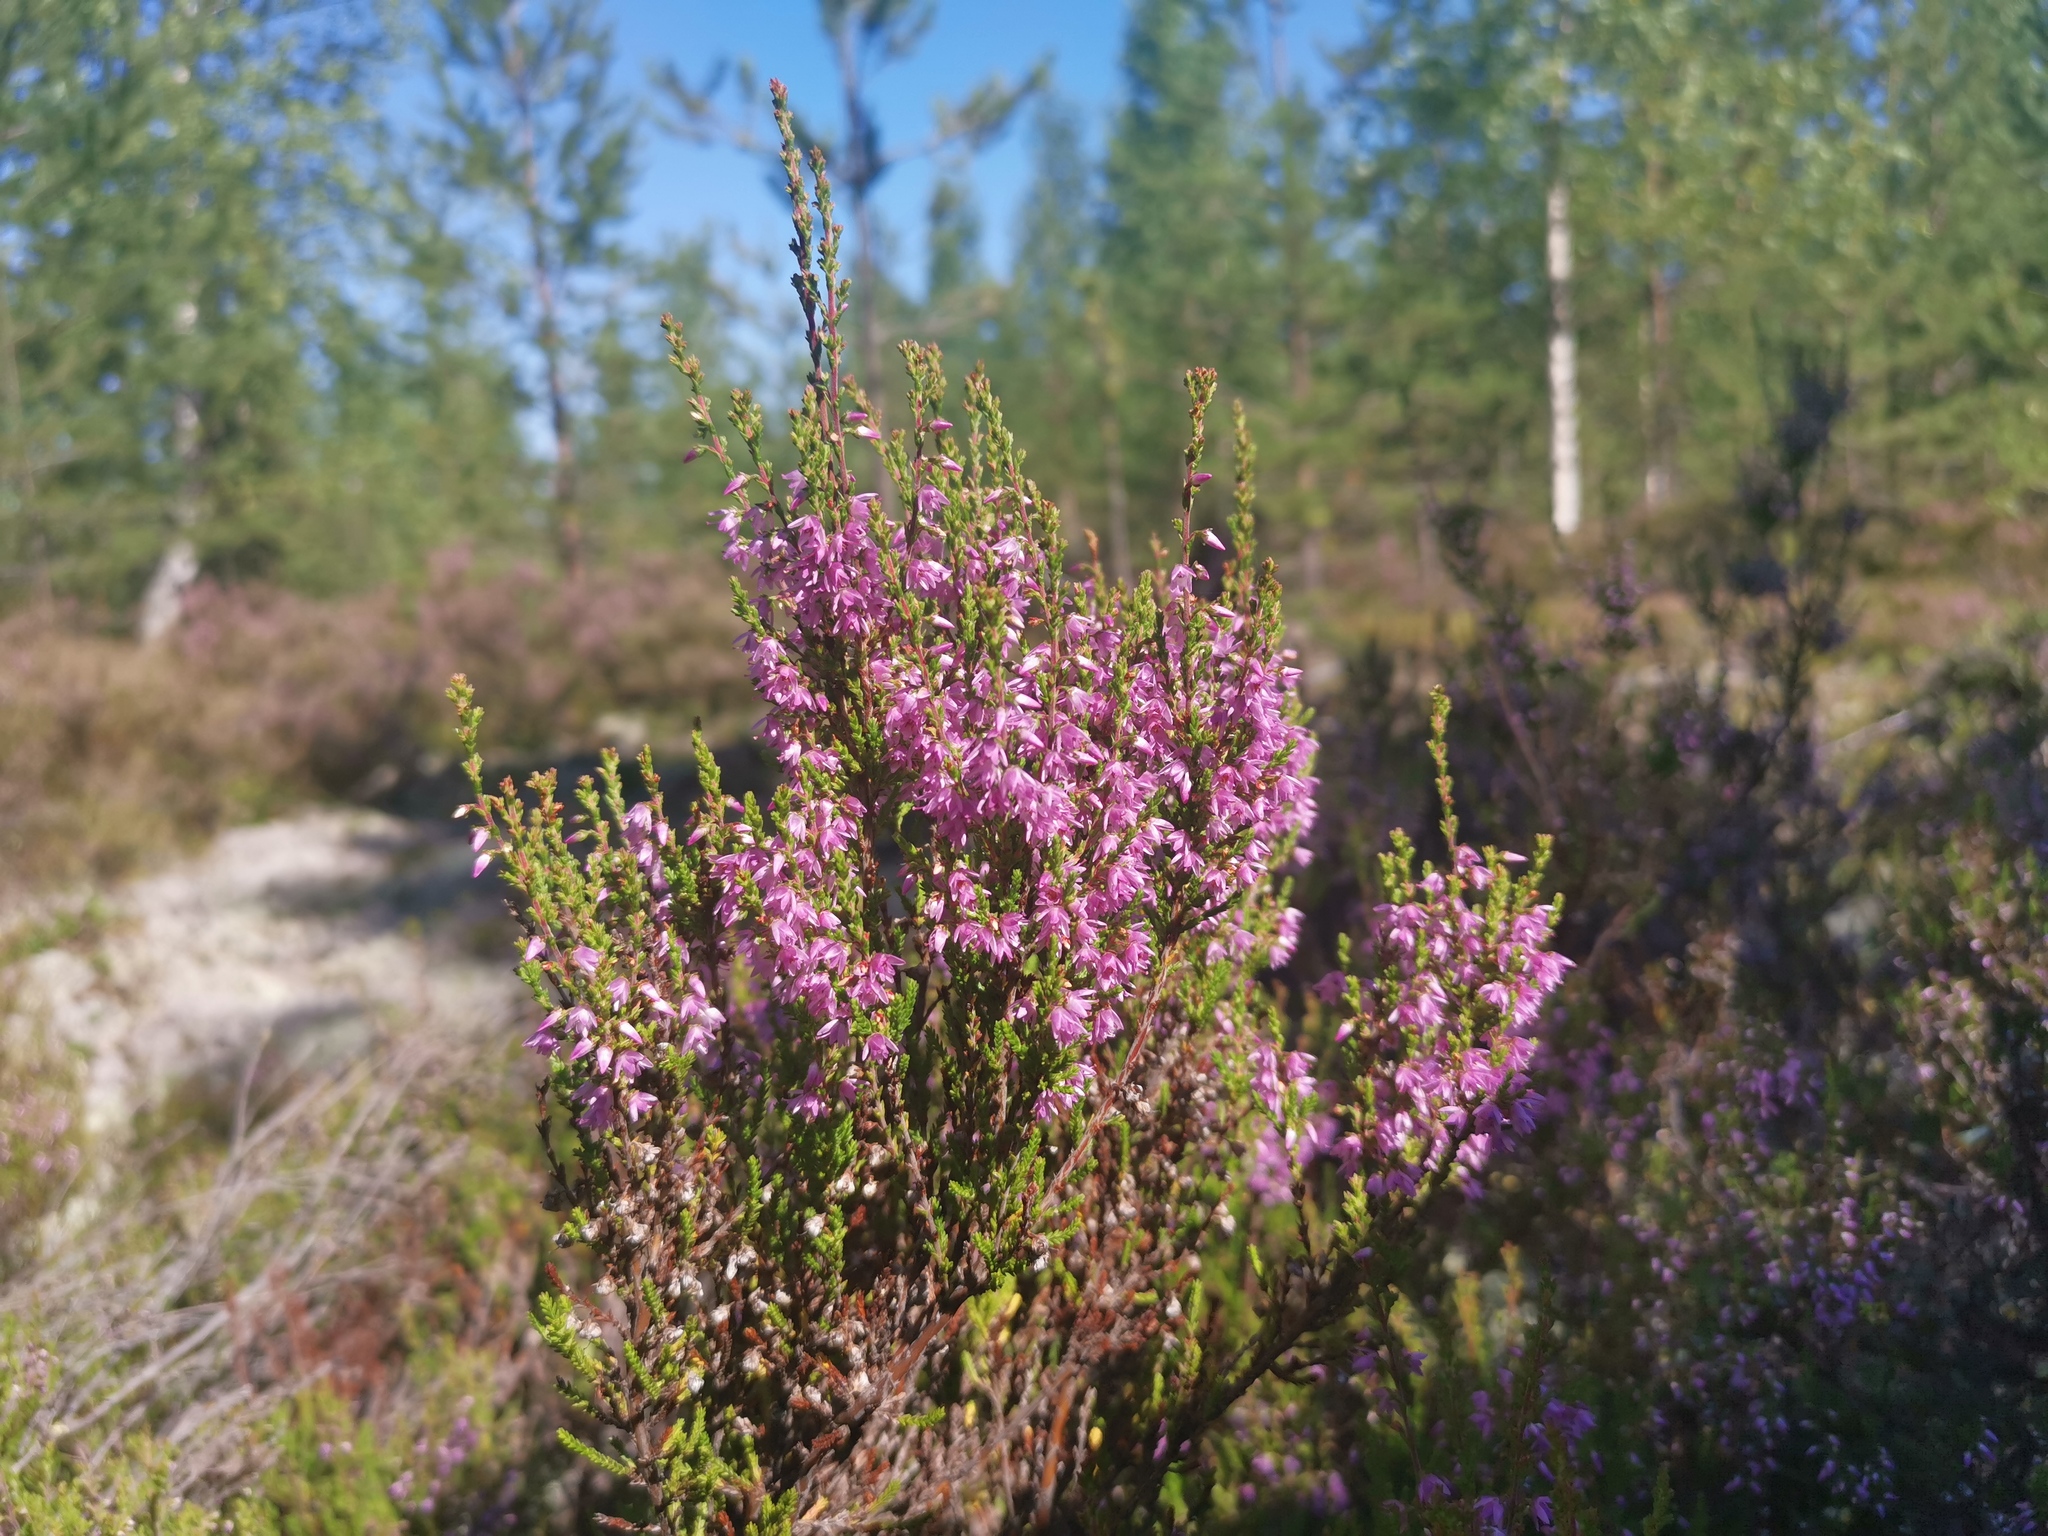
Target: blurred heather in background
(1666,381)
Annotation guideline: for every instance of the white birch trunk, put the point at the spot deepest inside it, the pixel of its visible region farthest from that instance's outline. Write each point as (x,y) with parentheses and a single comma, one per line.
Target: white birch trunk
(1660,477)
(163,603)
(1565,494)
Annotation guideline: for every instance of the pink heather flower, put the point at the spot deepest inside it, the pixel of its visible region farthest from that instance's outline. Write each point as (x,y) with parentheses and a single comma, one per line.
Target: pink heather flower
(585,959)
(1063,1095)
(639,826)
(534,946)
(1419,1103)
(1288,936)
(808,1101)
(1269,1174)
(600,1106)
(733,485)
(543,1040)
(1068,1020)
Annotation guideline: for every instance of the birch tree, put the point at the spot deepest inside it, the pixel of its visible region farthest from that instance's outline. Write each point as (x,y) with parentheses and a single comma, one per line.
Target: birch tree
(529,124)
(1565,488)
(1566,491)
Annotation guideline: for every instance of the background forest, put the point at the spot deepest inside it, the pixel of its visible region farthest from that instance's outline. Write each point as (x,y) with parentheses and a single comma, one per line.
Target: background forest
(326,371)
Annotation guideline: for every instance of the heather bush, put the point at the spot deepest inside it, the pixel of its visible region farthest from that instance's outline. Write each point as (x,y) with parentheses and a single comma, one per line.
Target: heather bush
(350,691)
(107,752)
(1956,842)
(1781,1182)
(906,1115)
(40,1138)
(43,1494)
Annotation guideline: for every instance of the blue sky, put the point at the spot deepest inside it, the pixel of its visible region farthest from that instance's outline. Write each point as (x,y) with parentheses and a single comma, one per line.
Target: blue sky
(684,187)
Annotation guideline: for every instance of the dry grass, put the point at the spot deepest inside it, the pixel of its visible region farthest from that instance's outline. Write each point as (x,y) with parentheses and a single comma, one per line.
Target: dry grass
(109,753)
(193,1291)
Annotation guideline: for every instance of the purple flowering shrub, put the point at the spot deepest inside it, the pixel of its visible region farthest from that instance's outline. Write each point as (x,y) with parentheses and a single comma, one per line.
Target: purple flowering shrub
(1977,1028)
(1973,1010)
(40,1137)
(910,1117)
(1432,1417)
(1760,1240)
(1793,1093)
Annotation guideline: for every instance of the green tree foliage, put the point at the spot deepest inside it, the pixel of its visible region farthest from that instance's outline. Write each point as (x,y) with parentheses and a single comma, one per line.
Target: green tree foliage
(1448,182)
(150,379)
(413,437)
(246,331)
(1201,237)
(1744,177)
(1181,252)
(1050,320)
(1746,181)
(1954,327)
(631,479)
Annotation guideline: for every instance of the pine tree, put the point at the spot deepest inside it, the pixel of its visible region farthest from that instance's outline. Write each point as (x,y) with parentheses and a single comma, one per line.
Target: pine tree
(632,443)
(418,445)
(1311,287)
(152,384)
(1736,179)
(1446,106)
(1184,278)
(1954,325)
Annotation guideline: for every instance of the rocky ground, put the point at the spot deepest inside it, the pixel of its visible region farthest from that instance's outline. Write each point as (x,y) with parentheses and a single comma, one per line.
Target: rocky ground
(280,945)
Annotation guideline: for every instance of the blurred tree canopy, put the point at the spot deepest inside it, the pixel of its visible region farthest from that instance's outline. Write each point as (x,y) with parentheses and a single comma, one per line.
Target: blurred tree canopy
(251,328)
